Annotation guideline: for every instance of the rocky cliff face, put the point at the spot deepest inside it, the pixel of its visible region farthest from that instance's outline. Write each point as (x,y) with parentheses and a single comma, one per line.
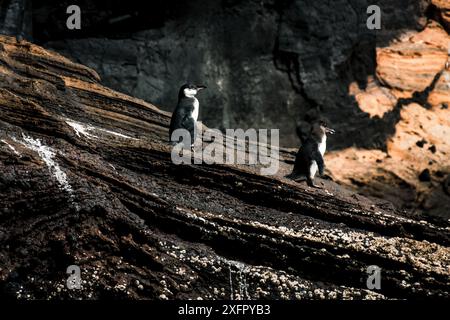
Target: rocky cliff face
(86,179)
(411,92)
(270,64)
(273,64)
(276,64)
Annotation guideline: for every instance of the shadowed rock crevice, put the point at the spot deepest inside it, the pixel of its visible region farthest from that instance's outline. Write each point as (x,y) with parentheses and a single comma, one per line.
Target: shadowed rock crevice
(386,125)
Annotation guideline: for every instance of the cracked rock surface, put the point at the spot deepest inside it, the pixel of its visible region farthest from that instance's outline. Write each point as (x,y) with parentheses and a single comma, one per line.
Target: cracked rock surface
(87,179)
(282,64)
(412,92)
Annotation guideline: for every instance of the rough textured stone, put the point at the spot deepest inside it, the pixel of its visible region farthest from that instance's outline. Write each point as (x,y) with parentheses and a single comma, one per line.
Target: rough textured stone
(412,89)
(443,7)
(87,179)
(270,64)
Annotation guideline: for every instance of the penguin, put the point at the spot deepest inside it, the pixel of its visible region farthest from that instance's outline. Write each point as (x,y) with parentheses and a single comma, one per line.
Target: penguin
(186,113)
(309,157)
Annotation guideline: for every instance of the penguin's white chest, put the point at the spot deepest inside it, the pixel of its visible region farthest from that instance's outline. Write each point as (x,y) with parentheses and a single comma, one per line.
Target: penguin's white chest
(322,148)
(196,109)
(323,145)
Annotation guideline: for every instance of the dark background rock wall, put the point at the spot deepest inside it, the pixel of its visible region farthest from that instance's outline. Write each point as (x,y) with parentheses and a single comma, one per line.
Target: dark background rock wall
(267,64)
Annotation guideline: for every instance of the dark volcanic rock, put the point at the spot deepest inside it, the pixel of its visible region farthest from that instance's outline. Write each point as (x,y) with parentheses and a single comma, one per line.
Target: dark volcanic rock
(425,175)
(279,64)
(446,185)
(16,18)
(421,143)
(87,179)
(270,64)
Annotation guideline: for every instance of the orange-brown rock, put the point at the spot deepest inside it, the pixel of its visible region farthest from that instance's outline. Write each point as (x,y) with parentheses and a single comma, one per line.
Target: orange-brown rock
(411,65)
(444,9)
(374,99)
(413,88)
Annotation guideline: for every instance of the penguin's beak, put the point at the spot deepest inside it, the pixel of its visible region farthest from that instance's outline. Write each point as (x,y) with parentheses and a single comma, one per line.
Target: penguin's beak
(329,130)
(200,87)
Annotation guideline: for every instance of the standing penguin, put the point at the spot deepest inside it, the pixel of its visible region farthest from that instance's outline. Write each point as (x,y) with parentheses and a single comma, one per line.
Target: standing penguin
(186,113)
(309,157)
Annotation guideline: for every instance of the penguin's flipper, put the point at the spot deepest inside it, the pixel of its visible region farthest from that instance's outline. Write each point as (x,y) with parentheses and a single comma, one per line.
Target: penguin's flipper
(182,120)
(189,124)
(175,123)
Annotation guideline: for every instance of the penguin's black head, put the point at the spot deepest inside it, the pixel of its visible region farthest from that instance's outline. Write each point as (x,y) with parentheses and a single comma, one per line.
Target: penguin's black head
(324,127)
(190,90)
(320,128)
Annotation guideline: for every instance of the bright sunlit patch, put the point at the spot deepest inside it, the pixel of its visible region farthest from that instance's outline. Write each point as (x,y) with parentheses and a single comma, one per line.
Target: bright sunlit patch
(374,100)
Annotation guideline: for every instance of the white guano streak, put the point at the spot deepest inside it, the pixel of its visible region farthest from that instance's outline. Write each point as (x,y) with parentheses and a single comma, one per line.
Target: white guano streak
(47,155)
(85,130)
(11,147)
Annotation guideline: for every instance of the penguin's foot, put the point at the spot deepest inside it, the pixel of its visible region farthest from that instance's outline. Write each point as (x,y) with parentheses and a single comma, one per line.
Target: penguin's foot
(311,184)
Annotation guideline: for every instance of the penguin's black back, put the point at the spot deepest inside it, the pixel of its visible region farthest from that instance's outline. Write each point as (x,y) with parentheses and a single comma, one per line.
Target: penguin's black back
(305,156)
